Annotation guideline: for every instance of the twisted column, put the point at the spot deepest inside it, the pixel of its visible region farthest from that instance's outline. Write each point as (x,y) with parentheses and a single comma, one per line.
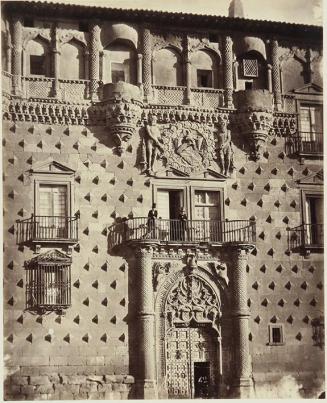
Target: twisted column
(147,55)
(276,75)
(94,60)
(17,46)
(240,314)
(228,71)
(145,318)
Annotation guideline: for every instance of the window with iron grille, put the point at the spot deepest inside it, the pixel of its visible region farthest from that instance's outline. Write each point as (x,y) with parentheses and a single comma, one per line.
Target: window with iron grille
(250,68)
(48,282)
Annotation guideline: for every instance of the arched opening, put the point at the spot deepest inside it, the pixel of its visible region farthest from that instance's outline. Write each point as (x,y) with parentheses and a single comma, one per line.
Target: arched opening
(204,73)
(189,307)
(252,71)
(292,75)
(37,58)
(119,62)
(72,63)
(167,68)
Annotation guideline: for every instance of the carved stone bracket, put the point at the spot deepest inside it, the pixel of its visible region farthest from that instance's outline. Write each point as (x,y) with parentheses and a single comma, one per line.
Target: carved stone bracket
(123,111)
(66,35)
(254,119)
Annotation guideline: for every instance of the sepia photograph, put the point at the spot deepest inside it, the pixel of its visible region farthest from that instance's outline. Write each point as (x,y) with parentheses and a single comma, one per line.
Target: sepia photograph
(162,199)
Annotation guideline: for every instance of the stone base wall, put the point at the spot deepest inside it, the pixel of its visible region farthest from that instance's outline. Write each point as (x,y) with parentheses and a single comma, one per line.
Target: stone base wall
(67,383)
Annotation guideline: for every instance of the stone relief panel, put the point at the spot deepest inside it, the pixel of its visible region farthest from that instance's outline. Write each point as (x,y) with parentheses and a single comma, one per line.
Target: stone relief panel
(201,42)
(192,298)
(187,147)
(32,33)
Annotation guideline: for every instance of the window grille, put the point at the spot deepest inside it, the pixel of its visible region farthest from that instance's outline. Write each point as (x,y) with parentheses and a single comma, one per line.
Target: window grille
(48,282)
(250,68)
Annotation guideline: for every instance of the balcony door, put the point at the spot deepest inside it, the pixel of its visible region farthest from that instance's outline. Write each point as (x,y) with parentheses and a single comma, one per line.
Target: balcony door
(207,214)
(52,218)
(169,203)
(314,219)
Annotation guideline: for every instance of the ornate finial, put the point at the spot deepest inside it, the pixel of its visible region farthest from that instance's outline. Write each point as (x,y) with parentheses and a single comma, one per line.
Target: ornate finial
(236,9)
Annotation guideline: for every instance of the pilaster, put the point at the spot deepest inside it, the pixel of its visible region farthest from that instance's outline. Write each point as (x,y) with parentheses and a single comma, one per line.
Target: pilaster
(276,75)
(147,57)
(146,383)
(242,382)
(17,42)
(94,60)
(228,71)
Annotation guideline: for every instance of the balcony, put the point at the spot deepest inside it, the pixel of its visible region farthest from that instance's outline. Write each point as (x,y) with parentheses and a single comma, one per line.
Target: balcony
(306,237)
(306,144)
(48,229)
(143,230)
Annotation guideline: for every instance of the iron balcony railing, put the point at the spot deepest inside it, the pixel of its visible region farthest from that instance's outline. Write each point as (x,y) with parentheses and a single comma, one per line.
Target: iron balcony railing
(48,286)
(194,231)
(48,228)
(305,236)
(306,143)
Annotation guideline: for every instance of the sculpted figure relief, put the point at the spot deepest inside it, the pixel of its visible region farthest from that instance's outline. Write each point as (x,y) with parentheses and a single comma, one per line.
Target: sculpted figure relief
(225,154)
(152,145)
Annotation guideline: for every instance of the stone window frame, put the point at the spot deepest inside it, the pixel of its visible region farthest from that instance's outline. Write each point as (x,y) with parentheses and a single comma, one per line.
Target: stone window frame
(279,326)
(53,180)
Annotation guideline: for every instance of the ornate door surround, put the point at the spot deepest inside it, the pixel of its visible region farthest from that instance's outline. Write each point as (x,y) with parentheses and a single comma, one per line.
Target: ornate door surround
(188,328)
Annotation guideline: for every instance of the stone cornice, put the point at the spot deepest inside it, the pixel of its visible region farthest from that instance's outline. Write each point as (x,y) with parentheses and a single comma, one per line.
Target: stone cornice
(165,18)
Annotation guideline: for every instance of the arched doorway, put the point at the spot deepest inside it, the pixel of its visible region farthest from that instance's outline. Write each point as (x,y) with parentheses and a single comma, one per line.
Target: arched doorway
(192,362)
(191,347)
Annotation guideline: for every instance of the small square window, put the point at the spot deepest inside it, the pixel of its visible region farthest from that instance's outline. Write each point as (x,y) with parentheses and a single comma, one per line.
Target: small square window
(250,68)
(37,65)
(204,78)
(276,335)
(117,72)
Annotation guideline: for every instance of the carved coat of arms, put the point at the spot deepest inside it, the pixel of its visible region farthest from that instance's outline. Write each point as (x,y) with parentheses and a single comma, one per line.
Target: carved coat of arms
(188,146)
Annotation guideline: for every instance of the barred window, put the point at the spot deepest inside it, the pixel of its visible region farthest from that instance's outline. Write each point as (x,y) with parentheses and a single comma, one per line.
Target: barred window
(250,68)
(48,282)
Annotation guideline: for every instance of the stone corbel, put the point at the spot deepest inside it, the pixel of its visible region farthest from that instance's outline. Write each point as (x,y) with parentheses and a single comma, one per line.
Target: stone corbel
(123,111)
(254,120)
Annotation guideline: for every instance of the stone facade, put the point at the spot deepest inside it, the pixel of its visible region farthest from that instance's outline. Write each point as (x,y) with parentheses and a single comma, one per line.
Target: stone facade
(240,295)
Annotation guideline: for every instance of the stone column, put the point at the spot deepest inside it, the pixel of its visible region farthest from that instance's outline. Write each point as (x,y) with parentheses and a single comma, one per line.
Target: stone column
(147,58)
(56,72)
(17,47)
(139,69)
(146,382)
(276,75)
(94,60)
(242,383)
(228,71)
(269,77)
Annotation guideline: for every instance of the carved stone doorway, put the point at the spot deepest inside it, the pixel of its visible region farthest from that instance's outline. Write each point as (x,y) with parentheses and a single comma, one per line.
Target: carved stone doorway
(192,362)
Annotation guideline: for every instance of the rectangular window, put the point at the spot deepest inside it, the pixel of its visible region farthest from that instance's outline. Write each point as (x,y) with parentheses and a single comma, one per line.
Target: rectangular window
(52,220)
(48,286)
(37,65)
(250,68)
(204,78)
(276,335)
(207,225)
(117,72)
(311,126)
(314,218)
